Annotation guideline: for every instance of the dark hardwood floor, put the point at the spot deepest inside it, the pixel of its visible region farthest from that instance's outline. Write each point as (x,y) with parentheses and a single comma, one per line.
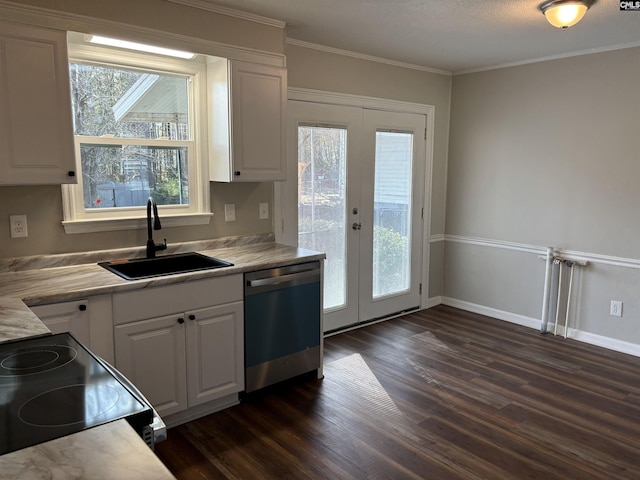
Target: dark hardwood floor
(438,394)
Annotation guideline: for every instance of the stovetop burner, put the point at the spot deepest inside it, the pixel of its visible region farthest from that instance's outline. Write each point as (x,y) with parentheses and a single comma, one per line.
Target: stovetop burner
(73,404)
(53,386)
(30,360)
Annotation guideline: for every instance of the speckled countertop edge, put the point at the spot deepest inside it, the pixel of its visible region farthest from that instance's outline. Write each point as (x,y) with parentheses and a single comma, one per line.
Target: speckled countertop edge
(18,321)
(73,282)
(38,262)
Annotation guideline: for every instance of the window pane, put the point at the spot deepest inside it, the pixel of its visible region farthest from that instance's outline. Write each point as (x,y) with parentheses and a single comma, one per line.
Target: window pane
(125,176)
(322,203)
(392,213)
(110,101)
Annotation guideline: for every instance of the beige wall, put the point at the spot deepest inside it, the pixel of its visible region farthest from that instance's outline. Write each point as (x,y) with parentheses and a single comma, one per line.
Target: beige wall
(547,154)
(326,71)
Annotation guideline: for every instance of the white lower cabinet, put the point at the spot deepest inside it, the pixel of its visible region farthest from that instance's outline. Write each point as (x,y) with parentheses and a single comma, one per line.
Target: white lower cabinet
(152,354)
(215,352)
(189,357)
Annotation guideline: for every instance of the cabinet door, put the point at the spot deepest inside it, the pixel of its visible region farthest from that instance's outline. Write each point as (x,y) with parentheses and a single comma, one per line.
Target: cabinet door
(67,317)
(247,110)
(151,353)
(258,100)
(36,130)
(215,362)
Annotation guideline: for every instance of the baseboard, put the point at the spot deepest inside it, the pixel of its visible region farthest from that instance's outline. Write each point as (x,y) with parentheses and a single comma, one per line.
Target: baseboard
(492,312)
(433,301)
(606,342)
(199,411)
(585,337)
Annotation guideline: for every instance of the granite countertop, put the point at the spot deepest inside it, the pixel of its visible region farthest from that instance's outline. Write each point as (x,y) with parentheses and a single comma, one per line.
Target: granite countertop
(18,321)
(56,281)
(110,451)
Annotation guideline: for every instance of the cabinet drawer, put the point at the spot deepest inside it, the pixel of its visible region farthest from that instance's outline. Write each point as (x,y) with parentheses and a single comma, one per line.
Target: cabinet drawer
(179,297)
(66,317)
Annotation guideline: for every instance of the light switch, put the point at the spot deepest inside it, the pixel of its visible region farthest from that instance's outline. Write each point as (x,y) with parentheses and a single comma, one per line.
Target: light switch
(264,211)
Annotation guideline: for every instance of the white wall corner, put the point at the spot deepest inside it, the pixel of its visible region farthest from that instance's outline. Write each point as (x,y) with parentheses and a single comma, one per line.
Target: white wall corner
(434,302)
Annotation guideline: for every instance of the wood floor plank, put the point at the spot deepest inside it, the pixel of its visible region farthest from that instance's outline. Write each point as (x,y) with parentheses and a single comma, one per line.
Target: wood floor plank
(436,394)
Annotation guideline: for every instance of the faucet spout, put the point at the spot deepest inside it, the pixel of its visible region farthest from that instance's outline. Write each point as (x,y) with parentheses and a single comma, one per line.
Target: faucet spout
(153,247)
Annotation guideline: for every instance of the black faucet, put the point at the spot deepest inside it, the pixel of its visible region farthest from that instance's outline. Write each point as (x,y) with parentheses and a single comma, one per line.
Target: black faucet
(153,247)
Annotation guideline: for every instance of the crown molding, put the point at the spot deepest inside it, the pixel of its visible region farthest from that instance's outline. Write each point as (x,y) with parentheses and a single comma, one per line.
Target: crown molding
(44,17)
(362,56)
(350,100)
(230,12)
(549,58)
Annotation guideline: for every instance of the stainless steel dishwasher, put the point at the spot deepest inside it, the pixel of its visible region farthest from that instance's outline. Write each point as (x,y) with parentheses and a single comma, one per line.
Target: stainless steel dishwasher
(282,332)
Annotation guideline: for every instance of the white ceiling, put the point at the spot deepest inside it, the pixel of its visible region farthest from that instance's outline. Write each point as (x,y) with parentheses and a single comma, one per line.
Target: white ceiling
(450,35)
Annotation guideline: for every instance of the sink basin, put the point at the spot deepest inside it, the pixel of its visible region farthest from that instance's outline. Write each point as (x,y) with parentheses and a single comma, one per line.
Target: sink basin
(138,268)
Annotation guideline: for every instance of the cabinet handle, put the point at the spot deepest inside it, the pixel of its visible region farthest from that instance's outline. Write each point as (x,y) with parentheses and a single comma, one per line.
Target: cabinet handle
(82,307)
(71,173)
(192,317)
(237,173)
(181,320)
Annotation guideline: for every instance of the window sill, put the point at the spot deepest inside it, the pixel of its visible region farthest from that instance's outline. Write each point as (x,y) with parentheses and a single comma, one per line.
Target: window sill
(116,224)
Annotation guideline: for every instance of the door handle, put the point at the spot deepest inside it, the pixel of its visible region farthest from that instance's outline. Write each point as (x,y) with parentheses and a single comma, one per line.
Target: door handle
(356,226)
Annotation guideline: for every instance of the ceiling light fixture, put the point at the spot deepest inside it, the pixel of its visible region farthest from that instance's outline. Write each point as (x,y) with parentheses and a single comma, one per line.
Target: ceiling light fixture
(565,13)
(113,42)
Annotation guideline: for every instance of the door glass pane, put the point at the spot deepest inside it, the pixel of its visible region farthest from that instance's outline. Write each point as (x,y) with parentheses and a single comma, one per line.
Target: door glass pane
(322,203)
(392,213)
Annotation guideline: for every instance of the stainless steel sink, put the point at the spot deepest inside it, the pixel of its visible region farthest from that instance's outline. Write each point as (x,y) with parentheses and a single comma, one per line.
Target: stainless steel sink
(138,268)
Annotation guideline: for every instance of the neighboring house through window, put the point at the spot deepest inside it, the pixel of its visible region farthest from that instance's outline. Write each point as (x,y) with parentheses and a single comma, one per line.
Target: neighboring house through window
(139,132)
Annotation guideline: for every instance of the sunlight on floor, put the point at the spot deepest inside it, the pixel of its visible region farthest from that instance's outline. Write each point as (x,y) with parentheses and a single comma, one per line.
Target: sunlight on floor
(362,387)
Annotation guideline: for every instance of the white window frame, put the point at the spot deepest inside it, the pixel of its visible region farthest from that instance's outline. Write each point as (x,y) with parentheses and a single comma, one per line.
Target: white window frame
(77,219)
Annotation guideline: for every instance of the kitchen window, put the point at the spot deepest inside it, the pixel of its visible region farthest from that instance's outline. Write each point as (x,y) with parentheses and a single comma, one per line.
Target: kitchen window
(139,130)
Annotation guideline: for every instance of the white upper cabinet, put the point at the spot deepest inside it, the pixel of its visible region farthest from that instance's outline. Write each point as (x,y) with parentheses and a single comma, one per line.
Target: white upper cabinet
(36,127)
(247,121)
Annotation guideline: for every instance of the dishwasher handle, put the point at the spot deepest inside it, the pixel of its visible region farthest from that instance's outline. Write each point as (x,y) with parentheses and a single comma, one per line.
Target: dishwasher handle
(282,280)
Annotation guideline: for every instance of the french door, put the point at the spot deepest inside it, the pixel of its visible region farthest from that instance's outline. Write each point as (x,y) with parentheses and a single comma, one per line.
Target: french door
(360,182)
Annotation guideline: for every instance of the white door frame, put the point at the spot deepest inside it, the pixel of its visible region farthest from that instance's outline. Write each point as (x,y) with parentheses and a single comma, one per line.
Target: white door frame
(285,193)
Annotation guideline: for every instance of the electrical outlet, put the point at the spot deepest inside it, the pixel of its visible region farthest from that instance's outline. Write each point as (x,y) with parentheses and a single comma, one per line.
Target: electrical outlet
(264,211)
(616,308)
(229,212)
(18,225)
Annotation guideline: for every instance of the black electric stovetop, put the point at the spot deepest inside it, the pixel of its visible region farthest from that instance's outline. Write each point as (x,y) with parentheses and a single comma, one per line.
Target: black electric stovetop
(53,386)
